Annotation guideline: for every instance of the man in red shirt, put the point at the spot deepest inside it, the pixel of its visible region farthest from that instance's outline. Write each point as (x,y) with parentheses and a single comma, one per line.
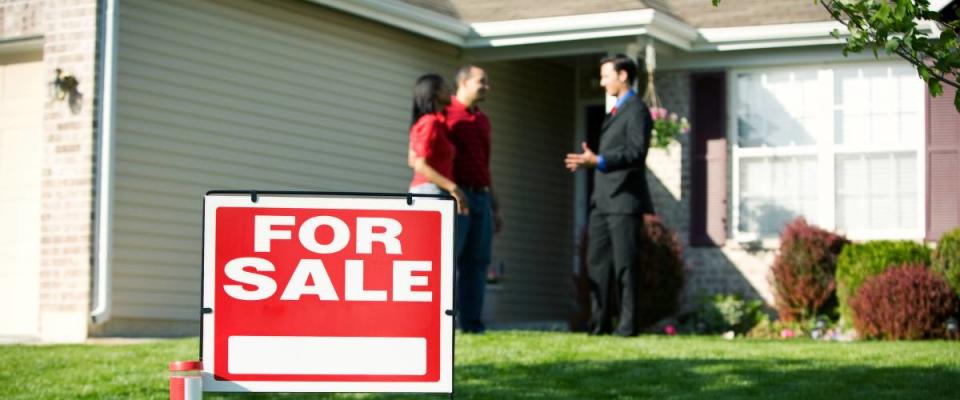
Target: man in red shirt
(469,130)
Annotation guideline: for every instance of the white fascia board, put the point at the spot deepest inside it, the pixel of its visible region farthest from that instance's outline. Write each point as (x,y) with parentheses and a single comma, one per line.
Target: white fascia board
(405,16)
(782,35)
(769,32)
(675,32)
(657,25)
(532,26)
(481,42)
(582,27)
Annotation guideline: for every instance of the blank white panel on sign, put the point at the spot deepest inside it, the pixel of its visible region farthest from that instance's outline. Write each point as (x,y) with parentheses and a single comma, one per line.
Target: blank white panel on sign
(327,355)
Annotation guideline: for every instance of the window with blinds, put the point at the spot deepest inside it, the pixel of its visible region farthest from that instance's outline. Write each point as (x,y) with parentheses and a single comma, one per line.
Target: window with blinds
(839,145)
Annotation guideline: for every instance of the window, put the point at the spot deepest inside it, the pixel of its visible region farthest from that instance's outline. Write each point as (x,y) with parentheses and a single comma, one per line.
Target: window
(839,145)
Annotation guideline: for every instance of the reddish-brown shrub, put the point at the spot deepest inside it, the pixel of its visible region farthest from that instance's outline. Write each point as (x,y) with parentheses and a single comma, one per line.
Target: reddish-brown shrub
(803,272)
(660,280)
(662,272)
(909,302)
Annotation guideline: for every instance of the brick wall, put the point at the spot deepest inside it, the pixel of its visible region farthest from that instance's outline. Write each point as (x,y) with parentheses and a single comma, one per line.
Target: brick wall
(68,28)
(668,174)
(20,18)
(712,270)
(69,44)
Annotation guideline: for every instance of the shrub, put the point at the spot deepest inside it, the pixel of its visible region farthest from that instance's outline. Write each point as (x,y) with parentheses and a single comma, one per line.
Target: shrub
(728,312)
(946,258)
(803,272)
(858,262)
(774,329)
(662,273)
(910,302)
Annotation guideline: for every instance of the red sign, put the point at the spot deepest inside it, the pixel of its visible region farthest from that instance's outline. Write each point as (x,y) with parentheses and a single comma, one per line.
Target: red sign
(327,294)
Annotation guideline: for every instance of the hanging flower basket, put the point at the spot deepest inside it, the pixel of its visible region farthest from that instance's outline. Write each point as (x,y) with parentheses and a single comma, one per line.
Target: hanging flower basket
(667,127)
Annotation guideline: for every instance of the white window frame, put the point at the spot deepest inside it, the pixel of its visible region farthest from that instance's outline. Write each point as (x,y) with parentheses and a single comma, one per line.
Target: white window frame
(826,152)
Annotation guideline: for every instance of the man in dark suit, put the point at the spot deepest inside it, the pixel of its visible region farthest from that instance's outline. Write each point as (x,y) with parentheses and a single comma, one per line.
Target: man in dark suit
(619,200)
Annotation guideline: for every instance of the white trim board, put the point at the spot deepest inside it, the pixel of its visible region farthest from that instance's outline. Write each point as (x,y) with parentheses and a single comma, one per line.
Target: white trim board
(780,35)
(585,26)
(405,16)
(631,23)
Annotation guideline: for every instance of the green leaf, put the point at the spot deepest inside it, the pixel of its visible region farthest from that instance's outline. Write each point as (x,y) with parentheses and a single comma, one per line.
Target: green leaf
(924,72)
(882,14)
(835,33)
(956,100)
(935,87)
(892,45)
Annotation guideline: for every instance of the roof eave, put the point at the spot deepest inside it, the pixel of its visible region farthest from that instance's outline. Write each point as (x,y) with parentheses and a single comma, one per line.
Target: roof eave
(612,25)
(581,27)
(781,35)
(405,16)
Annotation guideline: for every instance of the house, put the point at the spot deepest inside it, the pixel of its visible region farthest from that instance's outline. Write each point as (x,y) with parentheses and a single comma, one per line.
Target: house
(104,168)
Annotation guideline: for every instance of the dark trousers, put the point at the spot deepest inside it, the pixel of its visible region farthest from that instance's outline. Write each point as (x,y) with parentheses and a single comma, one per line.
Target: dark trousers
(473,248)
(612,268)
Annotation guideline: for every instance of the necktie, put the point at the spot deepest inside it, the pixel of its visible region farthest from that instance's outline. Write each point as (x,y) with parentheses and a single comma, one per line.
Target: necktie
(613,111)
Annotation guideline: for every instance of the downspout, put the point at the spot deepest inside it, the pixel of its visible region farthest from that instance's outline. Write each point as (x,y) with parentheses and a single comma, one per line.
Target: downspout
(103,174)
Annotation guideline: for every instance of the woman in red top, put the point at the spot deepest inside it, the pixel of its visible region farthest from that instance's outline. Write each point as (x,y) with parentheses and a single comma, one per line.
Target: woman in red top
(431,152)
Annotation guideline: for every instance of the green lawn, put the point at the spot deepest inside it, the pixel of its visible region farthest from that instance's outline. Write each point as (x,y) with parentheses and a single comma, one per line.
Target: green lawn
(505,365)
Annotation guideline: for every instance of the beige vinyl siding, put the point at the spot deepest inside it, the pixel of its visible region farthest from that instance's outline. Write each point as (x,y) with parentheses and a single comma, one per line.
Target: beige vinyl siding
(531,108)
(242,95)
(291,95)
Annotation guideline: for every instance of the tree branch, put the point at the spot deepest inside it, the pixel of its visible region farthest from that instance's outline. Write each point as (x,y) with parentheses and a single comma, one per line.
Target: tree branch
(941,76)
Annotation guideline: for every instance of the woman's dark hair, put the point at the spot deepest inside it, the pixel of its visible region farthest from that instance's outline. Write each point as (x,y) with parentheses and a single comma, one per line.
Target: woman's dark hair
(425,95)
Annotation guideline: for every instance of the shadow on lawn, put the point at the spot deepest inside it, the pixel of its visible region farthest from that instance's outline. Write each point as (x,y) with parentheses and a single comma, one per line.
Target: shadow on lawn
(686,379)
(697,379)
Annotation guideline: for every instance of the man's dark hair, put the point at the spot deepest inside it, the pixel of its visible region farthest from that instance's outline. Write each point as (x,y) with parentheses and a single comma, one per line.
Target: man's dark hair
(463,73)
(622,63)
(425,96)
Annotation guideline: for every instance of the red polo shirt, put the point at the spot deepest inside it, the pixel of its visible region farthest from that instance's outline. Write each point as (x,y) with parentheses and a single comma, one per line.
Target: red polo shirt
(429,139)
(470,134)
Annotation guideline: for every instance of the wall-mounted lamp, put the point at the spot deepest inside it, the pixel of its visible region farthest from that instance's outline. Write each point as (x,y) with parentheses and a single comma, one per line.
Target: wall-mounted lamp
(64,87)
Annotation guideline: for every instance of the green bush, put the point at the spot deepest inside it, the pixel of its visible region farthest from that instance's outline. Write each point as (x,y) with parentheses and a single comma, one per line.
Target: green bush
(858,262)
(728,312)
(946,258)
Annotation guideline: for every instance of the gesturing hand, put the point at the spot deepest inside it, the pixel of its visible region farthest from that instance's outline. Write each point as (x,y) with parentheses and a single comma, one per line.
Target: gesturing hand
(587,159)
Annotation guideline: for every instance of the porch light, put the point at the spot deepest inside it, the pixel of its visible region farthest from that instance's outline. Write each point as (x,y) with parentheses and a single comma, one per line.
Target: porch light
(62,85)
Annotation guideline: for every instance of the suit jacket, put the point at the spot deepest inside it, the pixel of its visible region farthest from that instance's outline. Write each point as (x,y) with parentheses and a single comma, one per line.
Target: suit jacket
(624,142)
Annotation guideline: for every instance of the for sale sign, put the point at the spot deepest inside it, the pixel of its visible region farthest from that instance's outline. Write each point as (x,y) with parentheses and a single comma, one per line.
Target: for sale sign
(327,293)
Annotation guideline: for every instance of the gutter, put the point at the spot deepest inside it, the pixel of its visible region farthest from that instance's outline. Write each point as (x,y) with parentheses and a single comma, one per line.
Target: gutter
(103,177)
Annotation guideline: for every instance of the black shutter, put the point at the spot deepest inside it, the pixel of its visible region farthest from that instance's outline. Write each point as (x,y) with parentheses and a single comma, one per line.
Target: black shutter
(708,206)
